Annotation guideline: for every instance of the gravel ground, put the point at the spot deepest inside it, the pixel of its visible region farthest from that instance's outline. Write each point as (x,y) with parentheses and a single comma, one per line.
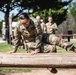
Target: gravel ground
(47,72)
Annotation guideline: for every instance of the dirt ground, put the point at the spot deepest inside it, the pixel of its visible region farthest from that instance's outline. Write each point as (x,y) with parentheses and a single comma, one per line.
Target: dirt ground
(47,72)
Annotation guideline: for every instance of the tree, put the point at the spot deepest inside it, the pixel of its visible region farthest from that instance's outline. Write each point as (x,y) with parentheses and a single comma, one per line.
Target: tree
(0,26)
(58,15)
(72,16)
(72,9)
(54,8)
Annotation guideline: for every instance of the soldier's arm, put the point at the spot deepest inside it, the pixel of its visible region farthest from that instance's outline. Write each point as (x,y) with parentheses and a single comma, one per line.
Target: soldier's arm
(38,35)
(45,28)
(17,39)
(54,26)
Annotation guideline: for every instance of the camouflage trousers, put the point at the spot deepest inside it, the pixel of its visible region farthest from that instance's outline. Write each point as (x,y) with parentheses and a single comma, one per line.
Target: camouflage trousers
(49,43)
(52,39)
(44,48)
(47,48)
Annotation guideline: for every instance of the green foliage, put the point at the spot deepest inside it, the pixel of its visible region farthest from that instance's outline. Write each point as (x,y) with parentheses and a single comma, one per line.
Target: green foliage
(5,47)
(43,8)
(73,28)
(72,14)
(58,15)
(72,9)
(55,9)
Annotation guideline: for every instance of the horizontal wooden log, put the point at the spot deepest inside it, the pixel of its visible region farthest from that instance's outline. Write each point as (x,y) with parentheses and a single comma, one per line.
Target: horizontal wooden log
(42,60)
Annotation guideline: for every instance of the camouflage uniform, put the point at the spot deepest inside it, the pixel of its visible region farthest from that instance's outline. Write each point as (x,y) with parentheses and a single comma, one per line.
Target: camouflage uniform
(51,28)
(43,27)
(31,36)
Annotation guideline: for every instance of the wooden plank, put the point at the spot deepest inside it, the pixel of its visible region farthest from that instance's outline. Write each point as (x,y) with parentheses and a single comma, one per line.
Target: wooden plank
(42,60)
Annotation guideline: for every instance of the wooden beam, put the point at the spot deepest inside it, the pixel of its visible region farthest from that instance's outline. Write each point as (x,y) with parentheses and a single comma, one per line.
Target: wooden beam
(42,60)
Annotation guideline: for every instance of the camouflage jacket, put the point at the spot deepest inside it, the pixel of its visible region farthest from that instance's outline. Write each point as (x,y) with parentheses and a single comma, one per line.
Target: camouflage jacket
(32,34)
(51,28)
(43,27)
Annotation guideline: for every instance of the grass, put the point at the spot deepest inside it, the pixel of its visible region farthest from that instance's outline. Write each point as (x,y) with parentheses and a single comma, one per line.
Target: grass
(4,48)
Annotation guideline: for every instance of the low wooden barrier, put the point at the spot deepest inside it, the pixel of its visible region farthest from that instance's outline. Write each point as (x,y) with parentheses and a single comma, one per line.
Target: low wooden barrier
(68,36)
(74,36)
(42,60)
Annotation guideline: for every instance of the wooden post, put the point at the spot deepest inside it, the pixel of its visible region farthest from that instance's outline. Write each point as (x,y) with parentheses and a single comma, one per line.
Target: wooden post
(42,60)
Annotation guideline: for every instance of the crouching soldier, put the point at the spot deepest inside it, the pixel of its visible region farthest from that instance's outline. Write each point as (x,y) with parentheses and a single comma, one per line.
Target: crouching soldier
(30,31)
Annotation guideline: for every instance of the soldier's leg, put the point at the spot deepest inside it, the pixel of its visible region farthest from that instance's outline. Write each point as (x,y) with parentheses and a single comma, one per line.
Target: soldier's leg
(47,48)
(16,43)
(14,49)
(35,51)
(60,42)
(31,46)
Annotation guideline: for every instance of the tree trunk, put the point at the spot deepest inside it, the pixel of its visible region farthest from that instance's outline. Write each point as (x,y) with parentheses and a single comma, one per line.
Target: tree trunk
(7,28)
(8,38)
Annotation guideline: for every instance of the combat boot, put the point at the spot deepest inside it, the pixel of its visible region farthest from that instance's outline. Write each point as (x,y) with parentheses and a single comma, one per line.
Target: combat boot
(70,47)
(53,70)
(73,49)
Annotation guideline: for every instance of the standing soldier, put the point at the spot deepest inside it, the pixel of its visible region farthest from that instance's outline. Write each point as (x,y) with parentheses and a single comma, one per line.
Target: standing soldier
(42,23)
(51,26)
(38,18)
(43,26)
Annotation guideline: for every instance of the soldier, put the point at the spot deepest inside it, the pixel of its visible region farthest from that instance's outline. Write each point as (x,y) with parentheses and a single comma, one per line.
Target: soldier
(38,18)
(42,23)
(30,31)
(51,26)
(43,26)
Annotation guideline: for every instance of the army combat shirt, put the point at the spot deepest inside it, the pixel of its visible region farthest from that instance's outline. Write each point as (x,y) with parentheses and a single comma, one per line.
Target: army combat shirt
(31,34)
(51,28)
